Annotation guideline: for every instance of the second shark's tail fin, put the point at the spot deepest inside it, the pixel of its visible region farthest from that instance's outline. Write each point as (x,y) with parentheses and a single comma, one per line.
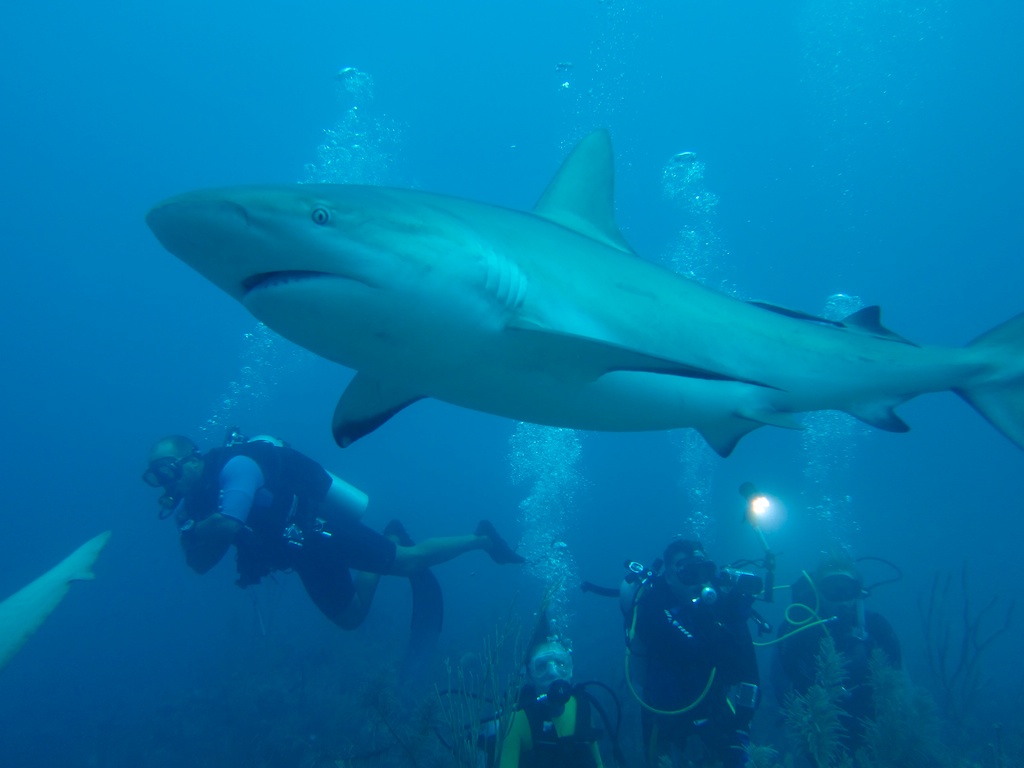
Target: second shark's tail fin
(1000,398)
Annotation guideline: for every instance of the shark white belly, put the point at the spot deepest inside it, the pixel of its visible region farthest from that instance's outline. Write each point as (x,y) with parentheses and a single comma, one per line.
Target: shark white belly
(549,317)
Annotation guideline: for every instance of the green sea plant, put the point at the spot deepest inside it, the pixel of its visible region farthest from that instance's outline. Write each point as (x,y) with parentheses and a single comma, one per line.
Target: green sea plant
(763,756)
(903,730)
(481,696)
(814,717)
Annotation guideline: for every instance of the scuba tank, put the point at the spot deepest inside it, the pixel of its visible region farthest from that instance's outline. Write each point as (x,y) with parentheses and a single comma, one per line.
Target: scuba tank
(341,497)
(345,497)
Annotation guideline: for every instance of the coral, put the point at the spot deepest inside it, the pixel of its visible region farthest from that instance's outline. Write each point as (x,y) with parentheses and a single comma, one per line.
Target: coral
(278,707)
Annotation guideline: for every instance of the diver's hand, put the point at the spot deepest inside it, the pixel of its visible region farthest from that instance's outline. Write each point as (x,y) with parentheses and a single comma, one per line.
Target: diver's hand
(206,542)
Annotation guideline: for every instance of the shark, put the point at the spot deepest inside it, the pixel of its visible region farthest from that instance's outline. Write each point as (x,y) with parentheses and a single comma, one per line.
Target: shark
(549,316)
(23,613)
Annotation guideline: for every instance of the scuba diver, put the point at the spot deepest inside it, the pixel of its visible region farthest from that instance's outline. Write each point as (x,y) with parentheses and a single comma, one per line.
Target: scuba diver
(687,628)
(282,511)
(832,600)
(552,726)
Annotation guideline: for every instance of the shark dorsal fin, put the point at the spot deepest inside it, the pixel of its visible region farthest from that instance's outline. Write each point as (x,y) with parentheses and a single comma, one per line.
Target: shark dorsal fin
(869,320)
(581,196)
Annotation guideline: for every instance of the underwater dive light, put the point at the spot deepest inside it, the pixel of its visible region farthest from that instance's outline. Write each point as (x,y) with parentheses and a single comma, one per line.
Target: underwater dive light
(757,506)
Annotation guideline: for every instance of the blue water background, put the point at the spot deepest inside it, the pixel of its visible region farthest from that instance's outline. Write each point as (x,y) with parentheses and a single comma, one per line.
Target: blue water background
(870,148)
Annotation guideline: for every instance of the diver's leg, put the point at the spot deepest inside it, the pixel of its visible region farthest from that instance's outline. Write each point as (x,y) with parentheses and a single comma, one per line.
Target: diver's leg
(364,588)
(438,550)
(329,584)
(430,552)
(727,742)
(366,549)
(657,745)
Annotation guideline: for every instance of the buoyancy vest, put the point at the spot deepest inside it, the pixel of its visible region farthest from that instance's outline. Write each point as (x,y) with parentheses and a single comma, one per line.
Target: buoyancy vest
(292,484)
(551,750)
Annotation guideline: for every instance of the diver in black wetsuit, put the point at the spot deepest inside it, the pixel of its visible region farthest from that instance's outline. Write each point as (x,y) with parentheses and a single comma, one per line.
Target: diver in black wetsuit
(696,659)
(283,511)
(832,599)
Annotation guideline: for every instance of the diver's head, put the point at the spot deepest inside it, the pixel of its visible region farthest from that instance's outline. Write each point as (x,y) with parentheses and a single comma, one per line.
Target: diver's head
(548,662)
(175,465)
(834,589)
(837,579)
(687,568)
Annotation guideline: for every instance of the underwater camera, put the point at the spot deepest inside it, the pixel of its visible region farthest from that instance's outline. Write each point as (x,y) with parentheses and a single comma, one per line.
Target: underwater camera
(741,581)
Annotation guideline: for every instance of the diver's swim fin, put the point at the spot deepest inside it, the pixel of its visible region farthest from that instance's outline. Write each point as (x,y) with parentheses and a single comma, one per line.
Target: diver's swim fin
(497,548)
(425,627)
(427,612)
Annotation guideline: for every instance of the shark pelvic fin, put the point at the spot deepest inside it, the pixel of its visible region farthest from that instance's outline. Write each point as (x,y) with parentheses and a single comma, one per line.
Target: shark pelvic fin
(581,196)
(724,437)
(591,358)
(880,416)
(365,404)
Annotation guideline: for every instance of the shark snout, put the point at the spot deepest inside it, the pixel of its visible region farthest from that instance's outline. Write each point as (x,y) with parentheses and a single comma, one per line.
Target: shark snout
(189,220)
(209,233)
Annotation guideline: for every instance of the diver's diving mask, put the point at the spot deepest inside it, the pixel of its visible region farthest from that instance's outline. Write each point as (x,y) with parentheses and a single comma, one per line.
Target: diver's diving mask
(691,571)
(165,471)
(551,662)
(839,587)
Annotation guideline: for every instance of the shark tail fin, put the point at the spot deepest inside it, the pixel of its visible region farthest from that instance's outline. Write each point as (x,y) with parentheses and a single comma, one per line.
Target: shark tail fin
(1000,397)
(78,565)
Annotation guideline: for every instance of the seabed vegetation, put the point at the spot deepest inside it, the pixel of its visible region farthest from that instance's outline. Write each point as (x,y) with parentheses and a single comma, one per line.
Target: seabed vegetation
(343,707)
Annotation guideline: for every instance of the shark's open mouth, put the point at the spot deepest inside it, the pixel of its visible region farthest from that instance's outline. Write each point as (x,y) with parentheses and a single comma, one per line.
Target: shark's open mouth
(273,279)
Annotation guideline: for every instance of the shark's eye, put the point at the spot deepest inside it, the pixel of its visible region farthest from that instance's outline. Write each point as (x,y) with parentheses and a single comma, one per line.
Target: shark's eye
(321,216)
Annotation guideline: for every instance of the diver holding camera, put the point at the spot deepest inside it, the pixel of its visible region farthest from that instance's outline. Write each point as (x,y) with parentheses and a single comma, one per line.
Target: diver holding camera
(690,660)
(689,646)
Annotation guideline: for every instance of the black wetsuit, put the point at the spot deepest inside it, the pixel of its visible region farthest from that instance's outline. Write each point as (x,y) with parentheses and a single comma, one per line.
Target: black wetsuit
(324,542)
(678,644)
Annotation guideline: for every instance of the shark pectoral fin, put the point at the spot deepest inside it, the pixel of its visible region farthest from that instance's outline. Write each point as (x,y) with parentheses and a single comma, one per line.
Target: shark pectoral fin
(365,404)
(880,416)
(591,358)
(581,196)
